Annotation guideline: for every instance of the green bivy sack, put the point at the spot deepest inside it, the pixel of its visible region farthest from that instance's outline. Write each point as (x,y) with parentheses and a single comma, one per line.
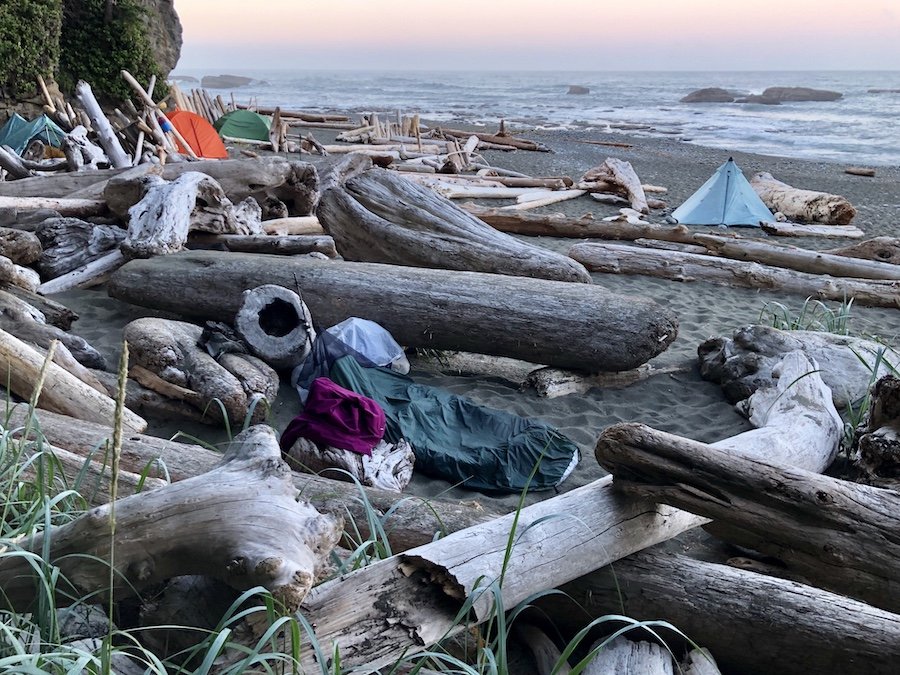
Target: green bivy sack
(454,439)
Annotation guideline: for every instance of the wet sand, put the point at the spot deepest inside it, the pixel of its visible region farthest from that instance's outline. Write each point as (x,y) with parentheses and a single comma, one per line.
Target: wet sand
(680,402)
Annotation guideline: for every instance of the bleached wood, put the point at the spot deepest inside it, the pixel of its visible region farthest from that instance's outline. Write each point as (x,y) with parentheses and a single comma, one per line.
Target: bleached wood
(621,656)
(553,382)
(79,208)
(108,139)
(147,100)
(64,393)
(546,200)
(621,175)
(291,244)
(92,274)
(389,467)
(804,205)
(24,277)
(293,226)
(795,230)
(882,249)
(793,257)
(621,259)
(240,523)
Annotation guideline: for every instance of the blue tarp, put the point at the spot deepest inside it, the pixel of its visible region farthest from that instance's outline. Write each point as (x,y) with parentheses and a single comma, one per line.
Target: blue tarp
(17,133)
(725,199)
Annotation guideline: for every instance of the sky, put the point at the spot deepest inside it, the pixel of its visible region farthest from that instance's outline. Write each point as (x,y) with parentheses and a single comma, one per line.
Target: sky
(573,35)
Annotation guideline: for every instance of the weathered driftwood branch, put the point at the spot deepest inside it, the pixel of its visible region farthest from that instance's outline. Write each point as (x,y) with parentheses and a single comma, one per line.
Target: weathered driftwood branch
(619,177)
(804,205)
(62,392)
(159,223)
(784,626)
(841,536)
(623,259)
(13,165)
(240,523)
(744,362)
(795,258)
(576,326)
(240,382)
(390,466)
(105,133)
(378,216)
(290,244)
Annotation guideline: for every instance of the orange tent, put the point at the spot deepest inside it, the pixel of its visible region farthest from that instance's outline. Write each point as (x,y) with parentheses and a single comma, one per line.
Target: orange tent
(200,135)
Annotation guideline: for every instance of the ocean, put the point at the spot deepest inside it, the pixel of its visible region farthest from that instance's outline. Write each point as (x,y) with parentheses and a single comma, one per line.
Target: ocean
(861,128)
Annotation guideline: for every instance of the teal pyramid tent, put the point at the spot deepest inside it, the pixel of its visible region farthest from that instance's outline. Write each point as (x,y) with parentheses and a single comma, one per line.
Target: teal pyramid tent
(725,199)
(17,133)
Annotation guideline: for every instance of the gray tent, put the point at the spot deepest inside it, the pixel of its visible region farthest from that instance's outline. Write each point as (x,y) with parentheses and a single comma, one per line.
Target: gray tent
(725,199)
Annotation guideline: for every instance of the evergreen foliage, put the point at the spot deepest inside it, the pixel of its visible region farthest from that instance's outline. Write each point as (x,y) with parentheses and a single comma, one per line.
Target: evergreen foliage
(29,43)
(99,39)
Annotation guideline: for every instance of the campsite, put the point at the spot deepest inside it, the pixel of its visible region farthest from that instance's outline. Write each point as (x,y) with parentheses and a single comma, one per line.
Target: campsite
(325,389)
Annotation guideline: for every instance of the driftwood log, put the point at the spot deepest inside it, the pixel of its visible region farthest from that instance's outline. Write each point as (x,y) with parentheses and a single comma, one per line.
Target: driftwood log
(376,215)
(624,259)
(842,536)
(751,623)
(28,324)
(243,384)
(159,223)
(240,523)
(21,365)
(78,208)
(576,326)
(799,230)
(81,154)
(292,244)
(882,249)
(877,440)
(744,362)
(17,275)
(53,312)
(90,274)
(804,205)
(70,243)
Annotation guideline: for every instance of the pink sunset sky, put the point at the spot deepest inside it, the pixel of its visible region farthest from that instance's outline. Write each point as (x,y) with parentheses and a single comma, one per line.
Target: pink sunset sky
(575,35)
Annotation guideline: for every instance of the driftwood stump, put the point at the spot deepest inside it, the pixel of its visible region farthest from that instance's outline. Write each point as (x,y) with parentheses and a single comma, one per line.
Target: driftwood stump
(276,324)
(877,440)
(169,350)
(240,523)
(804,205)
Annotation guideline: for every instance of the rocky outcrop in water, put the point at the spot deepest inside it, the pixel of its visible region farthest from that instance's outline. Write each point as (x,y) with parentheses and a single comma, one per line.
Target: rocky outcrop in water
(709,95)
(576,89)
(224,81)
(801,94)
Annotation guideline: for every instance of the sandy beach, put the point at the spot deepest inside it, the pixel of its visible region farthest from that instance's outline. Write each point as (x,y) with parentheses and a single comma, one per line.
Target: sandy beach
(679,402)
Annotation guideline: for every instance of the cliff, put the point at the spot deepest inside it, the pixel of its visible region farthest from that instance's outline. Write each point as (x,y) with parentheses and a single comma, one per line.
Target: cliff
(163,32)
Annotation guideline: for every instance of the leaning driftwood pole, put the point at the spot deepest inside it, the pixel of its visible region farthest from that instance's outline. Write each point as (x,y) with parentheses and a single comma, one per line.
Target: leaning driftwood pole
(108,138)
(240,523)
(577,326)
(154,110)
(785,627)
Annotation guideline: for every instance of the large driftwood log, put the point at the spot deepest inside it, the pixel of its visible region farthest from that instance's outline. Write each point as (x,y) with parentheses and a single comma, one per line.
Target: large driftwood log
(12,164)
(378,216)
(750,622)
(842,536)
(62,392)
(240,523)
(624,259)
(619,177)
(291,244)
(79,208)
(795,258)
(797,230)
(803,205)
(159,223)
(242,383)
(744,362)
(23,248)
(882,249)
(70,243)
(53,312)
(576,326)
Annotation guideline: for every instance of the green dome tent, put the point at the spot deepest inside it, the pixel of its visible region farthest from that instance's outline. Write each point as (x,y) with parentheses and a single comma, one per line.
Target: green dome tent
(725,199)
(244,124)
(17,133)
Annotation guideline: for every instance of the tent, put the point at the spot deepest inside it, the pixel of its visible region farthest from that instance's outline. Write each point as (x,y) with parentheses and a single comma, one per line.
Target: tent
(725,199)
(244,124)
(17,133)
(199,134)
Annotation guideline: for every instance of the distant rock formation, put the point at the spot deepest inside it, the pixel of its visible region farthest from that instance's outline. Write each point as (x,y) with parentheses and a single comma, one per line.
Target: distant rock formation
(758,98)
(709,95)
(801,94)
(576,89)
(163,32)
(224,81)
(183,78)
(884,91)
